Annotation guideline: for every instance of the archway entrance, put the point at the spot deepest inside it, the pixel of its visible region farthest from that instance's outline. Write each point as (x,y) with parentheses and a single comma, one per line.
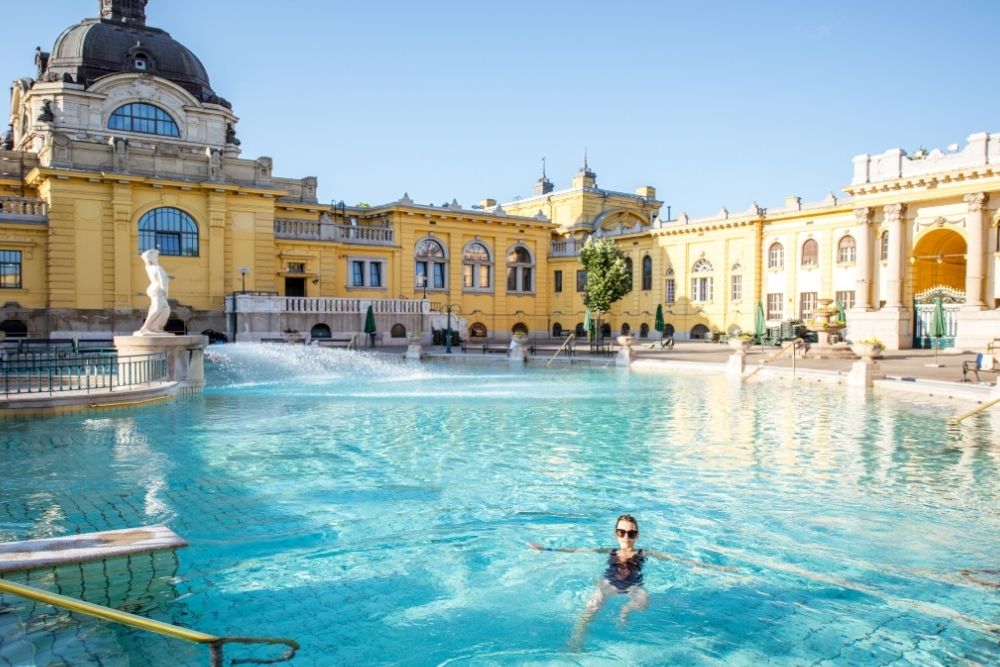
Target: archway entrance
(939,261)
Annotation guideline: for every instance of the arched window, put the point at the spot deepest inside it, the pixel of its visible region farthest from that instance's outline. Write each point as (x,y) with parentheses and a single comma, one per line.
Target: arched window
(520,268)
(431,265)
(169,230)
(606,330)
(477,267)
(644,330)
(776,256)
(477,330)
(884,246)
(143,118)
(628,270)
(557,330)
(699,332)
(626,329)
(810,253)
(520,328)
(647,273)
(701,286)
(668,330)
(847,250)
(580,331)
(14,329)
(397,331)
(320,331)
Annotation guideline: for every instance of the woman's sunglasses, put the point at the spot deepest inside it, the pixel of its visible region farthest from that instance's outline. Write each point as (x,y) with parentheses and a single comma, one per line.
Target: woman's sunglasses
(632,534)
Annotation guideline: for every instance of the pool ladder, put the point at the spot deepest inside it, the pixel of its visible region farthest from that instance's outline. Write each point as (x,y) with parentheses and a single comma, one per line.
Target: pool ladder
(215,644)
(791,346)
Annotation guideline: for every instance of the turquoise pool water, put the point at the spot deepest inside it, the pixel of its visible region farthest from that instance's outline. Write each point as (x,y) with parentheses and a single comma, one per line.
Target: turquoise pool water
(378,513)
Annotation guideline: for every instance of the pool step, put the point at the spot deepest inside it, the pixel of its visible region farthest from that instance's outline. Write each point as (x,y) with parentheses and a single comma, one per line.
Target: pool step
(29,555)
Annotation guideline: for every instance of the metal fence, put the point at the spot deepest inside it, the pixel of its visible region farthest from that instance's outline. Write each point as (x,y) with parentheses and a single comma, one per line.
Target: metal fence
(58,371)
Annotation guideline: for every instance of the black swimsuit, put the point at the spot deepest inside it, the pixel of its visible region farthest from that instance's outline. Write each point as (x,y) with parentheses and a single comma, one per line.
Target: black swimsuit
(624,575)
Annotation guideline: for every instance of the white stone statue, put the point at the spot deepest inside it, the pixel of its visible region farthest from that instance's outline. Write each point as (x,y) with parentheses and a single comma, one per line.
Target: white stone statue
(158,291)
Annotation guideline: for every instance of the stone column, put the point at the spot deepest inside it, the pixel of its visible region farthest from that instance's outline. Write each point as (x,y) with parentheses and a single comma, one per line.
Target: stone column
(894,270)
(974,263)
(863,272)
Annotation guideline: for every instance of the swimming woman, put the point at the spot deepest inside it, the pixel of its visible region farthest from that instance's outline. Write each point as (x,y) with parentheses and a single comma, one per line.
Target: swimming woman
(624,574)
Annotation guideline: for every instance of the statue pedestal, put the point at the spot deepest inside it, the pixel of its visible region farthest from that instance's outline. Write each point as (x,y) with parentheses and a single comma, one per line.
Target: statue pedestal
(737,364)
(518,354)
(863,373)
(414,352)
(185,357)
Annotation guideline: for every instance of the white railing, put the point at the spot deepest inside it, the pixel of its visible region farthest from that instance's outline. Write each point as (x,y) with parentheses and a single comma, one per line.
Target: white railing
(247,303)
(366,235)
(569,248)
(297,229)
(23,206)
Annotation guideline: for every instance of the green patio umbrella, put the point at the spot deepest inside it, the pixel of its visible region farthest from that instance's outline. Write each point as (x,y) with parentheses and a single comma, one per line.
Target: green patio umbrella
(760,325)
(660,324)
(370,325)
(588,324)
(939,327)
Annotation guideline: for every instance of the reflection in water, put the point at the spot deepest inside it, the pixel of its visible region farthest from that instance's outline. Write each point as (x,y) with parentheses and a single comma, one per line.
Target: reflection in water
(378,512)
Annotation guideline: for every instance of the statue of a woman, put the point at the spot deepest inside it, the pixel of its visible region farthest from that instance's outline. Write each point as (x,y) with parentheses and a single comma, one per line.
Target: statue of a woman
(158,291)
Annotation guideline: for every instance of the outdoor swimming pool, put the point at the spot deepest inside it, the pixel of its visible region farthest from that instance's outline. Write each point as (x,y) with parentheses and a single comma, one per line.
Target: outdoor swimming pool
(378,513)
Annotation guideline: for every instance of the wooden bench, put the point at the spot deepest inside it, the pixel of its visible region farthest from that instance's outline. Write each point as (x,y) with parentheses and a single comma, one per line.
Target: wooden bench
(992,349)
(491,345)
(551,345)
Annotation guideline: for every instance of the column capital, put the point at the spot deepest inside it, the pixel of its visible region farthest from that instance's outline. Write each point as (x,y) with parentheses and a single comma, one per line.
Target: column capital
(864,215)
(894,212)
(976,201)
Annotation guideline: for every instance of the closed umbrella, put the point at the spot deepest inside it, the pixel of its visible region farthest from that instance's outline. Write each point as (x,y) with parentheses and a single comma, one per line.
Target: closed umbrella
(588,324)
(660,325)
(760,325)
(370,325)
(841,314)
(939,327)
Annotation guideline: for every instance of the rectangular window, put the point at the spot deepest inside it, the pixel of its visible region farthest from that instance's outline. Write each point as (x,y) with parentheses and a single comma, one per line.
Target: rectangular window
(807,303)
(296,267)
(484,276)
(439,276)
(671,290)
(358,274)
(581,281)
(558,281)
(701,289)
(846,298)
(775,306)
(467,275)
(525,279)
(421,276)
(375,274)
(10,269)
(737,288)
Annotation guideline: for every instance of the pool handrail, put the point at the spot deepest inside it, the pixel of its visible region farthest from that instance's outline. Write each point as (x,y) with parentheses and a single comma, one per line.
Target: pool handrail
(790,346)
(214,643)
(353,338)
(561,348)
(976,411)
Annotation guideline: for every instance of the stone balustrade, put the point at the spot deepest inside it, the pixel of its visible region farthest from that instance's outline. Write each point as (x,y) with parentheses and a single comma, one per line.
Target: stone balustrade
(570,248)
(23,209)
(301,230)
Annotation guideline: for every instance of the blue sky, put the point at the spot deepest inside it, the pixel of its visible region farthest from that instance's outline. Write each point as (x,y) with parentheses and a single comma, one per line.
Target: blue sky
(713,103)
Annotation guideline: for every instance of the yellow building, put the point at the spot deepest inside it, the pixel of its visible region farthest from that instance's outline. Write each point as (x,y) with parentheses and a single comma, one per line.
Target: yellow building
(120,144)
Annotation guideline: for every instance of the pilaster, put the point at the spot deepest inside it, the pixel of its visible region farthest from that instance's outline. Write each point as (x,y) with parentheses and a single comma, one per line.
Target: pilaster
(863,279)
(216,247)
(975,263)
(894,279)
(121,203)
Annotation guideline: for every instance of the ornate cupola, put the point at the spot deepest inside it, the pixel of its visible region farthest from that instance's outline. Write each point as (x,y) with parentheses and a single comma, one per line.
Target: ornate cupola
(132,12)
(585,178)
(543,185)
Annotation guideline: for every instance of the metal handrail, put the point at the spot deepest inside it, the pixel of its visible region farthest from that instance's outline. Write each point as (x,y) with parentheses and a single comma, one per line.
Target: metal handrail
(214,643)
(353,338)
(976,411)
(788,347)
(561,347)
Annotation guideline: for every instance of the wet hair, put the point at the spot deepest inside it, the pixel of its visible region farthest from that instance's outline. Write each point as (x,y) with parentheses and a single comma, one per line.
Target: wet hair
(629,518)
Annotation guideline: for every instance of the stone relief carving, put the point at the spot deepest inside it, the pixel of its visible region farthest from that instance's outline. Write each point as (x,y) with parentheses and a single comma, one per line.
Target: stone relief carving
(976,201)
(863,215)
(214,164)
(231,135)
(119,150)
(894,212)
(46,115)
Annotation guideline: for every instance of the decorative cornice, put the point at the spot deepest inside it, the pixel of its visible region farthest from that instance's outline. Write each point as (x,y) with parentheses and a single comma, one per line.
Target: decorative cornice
(976,201)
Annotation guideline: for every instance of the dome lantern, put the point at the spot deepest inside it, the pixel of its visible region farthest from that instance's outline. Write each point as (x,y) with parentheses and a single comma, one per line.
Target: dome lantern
(132,12)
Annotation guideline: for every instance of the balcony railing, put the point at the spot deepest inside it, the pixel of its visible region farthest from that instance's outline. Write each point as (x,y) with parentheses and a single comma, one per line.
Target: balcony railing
(23,209)
(246,303)
(570,248)
(328,231)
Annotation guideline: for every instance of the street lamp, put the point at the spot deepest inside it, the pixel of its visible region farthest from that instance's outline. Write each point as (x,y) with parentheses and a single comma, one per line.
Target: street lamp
(447,340)
(422,282)
(243,271)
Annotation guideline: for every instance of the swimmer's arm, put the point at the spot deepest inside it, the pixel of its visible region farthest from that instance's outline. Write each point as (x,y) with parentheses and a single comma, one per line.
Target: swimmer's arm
(696,563)
(536,545)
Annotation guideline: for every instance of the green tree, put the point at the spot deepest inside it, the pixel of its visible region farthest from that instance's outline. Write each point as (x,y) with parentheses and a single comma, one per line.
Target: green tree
(607,278)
